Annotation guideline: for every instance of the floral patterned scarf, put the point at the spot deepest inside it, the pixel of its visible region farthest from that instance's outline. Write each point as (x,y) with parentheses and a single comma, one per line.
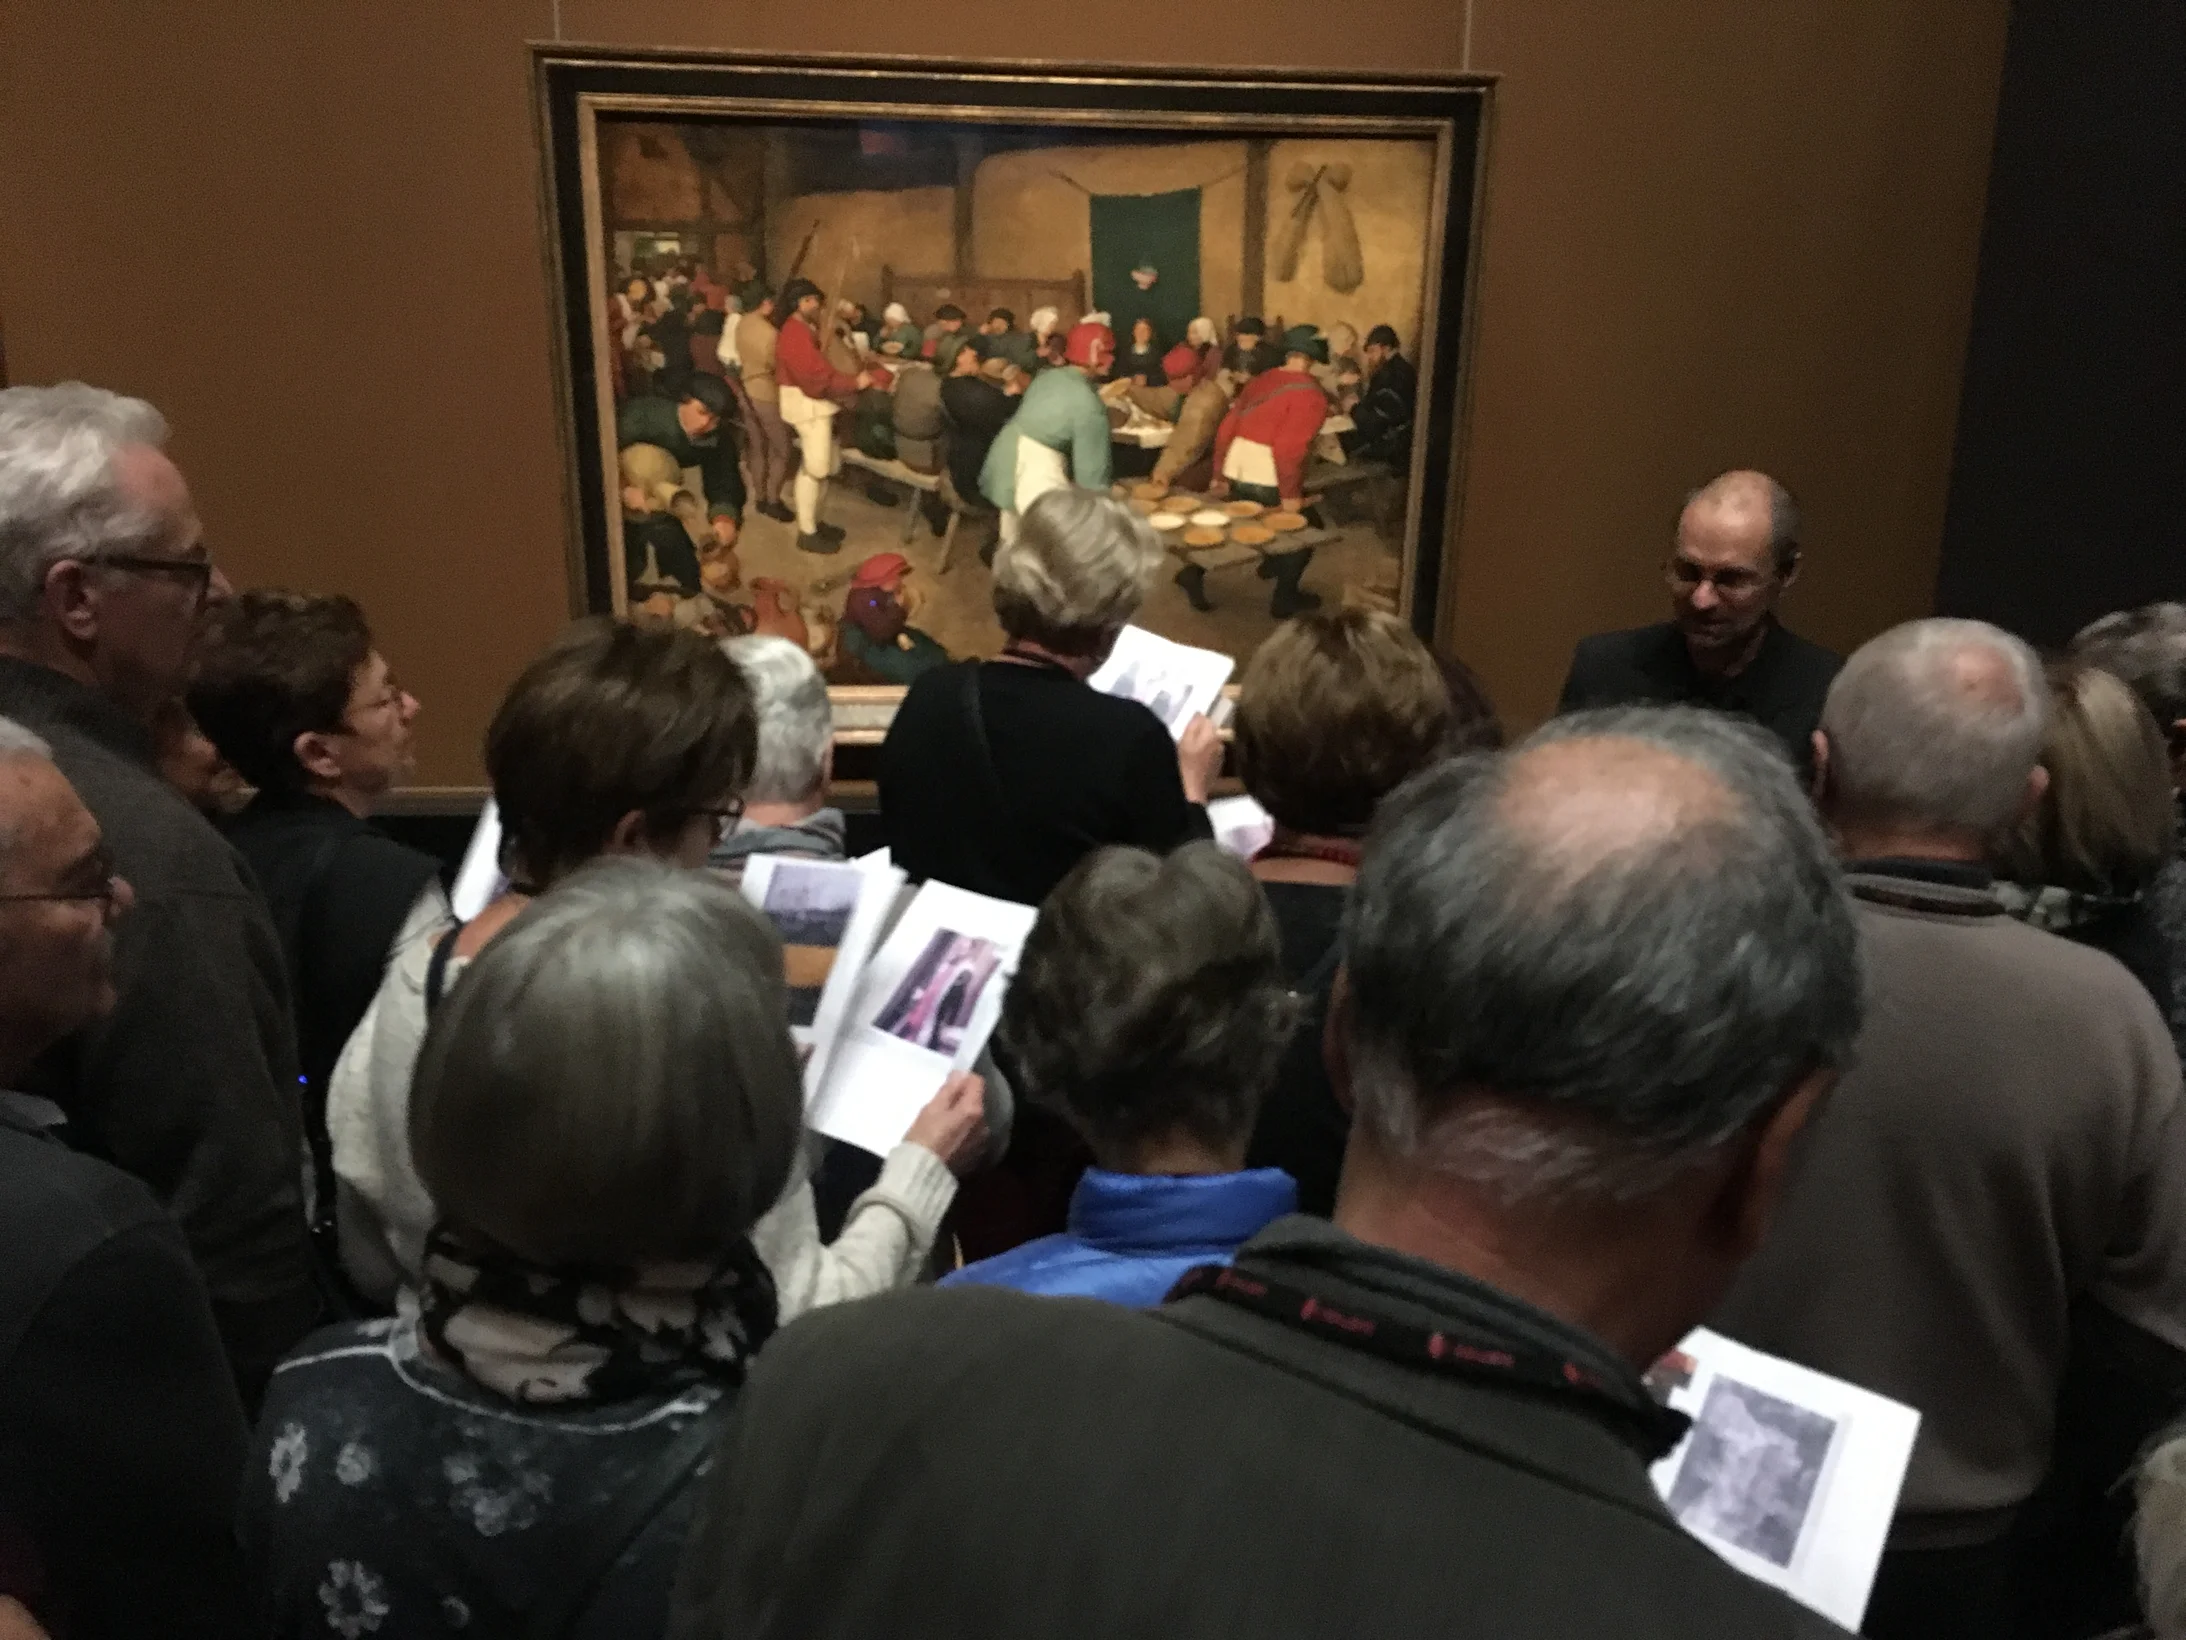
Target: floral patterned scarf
(557,1336)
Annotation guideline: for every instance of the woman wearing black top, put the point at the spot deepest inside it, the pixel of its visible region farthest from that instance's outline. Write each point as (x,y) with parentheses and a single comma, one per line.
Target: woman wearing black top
(999,776)
(1335,711)
(1139,360)
(298,700)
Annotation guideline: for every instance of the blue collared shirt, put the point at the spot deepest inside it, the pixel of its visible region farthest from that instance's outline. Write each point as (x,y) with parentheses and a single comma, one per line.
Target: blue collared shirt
(1132,1235)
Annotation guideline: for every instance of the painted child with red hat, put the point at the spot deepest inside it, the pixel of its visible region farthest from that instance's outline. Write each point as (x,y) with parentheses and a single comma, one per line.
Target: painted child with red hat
(876,632)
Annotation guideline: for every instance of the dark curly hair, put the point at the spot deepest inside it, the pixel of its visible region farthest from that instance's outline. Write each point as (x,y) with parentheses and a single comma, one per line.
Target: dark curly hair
(273,665)
(615,717)
(1150,999)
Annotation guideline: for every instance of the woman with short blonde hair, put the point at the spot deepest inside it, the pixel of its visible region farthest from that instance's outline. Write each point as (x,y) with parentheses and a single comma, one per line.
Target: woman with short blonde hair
(2082,862)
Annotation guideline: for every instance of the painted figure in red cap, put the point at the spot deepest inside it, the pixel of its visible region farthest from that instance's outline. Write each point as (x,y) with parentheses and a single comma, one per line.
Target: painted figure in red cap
(1060,434)
(877,635)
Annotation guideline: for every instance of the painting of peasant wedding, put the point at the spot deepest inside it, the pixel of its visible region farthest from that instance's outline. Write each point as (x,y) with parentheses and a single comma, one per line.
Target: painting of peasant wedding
(826,326)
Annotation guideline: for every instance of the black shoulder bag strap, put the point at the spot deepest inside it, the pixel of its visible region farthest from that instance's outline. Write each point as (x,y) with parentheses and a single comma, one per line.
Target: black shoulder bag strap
(436,971)
(1009,827)
(608,1539)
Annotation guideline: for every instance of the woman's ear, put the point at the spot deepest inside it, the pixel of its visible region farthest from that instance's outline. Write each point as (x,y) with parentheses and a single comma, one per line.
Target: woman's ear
(629,836)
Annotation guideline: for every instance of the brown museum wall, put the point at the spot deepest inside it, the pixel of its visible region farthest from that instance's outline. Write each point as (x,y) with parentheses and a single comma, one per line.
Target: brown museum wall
(1716,233)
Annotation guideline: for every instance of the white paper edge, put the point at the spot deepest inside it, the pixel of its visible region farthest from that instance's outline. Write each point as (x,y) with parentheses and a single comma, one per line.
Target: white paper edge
(478,881)
(877,1084)
(1840,1547)
(876,893)
(1206,669)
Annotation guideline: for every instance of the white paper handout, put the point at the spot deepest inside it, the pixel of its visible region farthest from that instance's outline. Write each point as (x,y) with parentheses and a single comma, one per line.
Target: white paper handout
(1241,826)
(1173,681)
(1790,1475)
(830,914)
(479,880)
(925,1007)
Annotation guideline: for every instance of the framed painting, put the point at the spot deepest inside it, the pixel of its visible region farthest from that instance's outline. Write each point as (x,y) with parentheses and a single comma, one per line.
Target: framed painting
(805,305)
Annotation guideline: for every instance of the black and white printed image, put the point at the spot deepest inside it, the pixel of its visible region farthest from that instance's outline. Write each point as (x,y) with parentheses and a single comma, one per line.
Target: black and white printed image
(810,906)
(1750,1470)
(933,1006)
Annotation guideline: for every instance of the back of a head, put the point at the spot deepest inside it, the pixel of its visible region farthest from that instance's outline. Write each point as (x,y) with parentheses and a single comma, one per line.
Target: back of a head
(1150,999)
(2106,821)
(612,1082)
(1935,725)
(1628,931)
(1076,572)
(1335,710)
(271,666)
(615,717)
(796,723)
(59,494)
(2147,648)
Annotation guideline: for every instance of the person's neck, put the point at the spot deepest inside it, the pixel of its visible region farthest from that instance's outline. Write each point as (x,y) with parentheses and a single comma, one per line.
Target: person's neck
(41,646)
(1593,1267)
(1024,652)
(1173,1155)
(1308,857)
(1731,660)
(758,816)
(356,802)
(1857,840)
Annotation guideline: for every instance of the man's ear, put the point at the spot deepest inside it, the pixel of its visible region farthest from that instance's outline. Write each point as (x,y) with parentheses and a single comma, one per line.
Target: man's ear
(827,772)
(315,753)
(629,835)
(1336,1041)
(1818,788)
(1748,1199)
(71,600)
(2037,784)
(1791,575)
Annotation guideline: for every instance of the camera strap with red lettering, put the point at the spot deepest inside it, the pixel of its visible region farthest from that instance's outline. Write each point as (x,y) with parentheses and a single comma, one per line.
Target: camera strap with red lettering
(1351,1327)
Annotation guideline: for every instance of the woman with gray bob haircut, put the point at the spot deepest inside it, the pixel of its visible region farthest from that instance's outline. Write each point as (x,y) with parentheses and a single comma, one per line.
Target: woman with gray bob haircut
(1150,1010)
(1076,573)
(604,1106)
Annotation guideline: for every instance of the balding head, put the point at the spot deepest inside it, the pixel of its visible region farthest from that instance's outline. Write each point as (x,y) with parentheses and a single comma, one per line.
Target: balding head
(1750,507)
(1628,931)
(1934,728)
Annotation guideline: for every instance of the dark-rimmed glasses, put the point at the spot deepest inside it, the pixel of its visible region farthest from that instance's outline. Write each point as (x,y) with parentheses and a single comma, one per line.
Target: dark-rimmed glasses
(100,864)
(196,568)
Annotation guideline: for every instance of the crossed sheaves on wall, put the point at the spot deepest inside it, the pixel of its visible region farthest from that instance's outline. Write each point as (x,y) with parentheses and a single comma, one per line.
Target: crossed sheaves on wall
(1320,190)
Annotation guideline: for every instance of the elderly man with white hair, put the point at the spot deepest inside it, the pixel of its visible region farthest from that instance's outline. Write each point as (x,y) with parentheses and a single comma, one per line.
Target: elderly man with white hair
(190,1082)
(2000,1180)
(785,805)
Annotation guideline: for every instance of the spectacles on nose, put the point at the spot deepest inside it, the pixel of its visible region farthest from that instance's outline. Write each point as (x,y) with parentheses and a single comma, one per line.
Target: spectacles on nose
(1728,583)
(95,880)
(195,568)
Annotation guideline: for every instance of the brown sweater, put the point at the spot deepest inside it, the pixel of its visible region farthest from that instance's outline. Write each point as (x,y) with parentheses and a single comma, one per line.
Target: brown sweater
(755,340)
(2009,1140)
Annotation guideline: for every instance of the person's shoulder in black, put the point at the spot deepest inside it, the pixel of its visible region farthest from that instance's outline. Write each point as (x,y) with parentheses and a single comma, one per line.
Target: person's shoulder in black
(340,891)
(1278,1484)
(122,1443)
(1640,665)
(1050,770)
(1302,1127)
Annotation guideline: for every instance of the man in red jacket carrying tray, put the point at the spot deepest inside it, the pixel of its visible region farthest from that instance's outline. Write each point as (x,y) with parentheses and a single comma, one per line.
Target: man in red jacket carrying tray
(812,390)
(1261,448)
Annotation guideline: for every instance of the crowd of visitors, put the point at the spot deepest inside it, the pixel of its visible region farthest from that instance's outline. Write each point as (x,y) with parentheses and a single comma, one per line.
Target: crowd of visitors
(1296,1260)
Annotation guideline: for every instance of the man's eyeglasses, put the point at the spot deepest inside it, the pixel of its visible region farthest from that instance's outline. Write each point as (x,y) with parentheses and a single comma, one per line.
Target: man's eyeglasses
(94,878)
(196,569)
(1730,583)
